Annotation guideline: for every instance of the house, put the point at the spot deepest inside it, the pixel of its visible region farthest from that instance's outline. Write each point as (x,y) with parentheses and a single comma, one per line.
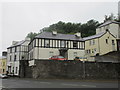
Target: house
(16,52)
(3,62)
(100,44)
(113,27)
(48,44)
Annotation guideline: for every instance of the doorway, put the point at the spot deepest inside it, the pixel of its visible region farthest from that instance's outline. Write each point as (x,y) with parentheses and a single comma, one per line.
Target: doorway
(64,53)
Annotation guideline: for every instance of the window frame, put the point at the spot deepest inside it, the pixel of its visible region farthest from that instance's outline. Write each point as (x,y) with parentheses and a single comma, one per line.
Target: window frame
(75,44)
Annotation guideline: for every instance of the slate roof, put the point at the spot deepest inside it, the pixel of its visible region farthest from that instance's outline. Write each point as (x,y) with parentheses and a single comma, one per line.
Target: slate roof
(49,35)
(94,36)
(17,44)
(108,22)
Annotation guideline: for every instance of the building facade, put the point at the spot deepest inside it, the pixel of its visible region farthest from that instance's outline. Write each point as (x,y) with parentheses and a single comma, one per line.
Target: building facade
(16,52)
(113,27)
(100,44)
(3,63)
(48,44)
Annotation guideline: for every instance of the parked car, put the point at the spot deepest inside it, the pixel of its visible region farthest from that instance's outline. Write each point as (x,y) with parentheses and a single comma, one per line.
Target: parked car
(57,58)
(80,58)
(3,76)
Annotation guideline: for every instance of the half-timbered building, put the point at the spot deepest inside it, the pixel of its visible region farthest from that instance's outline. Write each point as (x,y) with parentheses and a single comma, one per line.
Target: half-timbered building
(48,44)
(16,52)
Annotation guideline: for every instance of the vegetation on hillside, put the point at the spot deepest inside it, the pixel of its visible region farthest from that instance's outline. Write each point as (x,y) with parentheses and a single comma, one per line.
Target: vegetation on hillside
(86,29)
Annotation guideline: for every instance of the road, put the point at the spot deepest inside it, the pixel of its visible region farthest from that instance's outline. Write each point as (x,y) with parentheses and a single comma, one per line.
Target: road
(32,83)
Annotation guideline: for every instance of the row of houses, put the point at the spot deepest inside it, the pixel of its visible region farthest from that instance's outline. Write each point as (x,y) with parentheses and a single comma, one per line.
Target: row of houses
(47,44)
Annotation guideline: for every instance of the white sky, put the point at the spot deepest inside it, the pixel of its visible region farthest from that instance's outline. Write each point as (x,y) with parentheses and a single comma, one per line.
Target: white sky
(18,18)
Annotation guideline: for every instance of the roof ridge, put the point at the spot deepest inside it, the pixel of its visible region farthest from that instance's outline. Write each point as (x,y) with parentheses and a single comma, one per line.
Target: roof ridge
(94,36)
(58,36)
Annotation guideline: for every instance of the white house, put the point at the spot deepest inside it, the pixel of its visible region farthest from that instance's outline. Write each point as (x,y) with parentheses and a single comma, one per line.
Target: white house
(48,44)
(113,27)
(100,44)
(16,52)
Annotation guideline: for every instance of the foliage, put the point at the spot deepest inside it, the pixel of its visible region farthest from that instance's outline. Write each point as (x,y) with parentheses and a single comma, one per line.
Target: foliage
(111,17)
(86,29)
(31,35)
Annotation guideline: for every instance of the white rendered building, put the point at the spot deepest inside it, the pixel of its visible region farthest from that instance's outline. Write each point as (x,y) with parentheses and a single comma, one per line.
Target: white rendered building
(48,44)
(112,26)
(16,52)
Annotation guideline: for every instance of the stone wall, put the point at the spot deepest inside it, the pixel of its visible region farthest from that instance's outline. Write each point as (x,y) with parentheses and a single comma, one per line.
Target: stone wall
(109,57)
(25,70)
(72,70)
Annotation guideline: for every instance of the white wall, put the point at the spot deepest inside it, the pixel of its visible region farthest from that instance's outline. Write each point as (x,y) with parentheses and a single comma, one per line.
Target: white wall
(113,28)
(14,64)
(71,53)
(44,53)
(18,54)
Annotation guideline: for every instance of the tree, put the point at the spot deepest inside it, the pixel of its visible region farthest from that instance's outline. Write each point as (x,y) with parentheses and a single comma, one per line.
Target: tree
(111,17)
(32,35)
(86,29)
(89,28)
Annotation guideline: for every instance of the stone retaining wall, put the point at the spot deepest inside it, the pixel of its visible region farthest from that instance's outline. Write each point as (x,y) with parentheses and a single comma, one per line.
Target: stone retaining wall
(73,70)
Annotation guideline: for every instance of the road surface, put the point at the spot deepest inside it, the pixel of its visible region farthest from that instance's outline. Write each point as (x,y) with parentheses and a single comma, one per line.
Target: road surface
(32,83)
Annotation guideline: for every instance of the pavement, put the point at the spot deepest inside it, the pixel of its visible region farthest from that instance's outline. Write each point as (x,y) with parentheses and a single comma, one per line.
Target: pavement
(57,83)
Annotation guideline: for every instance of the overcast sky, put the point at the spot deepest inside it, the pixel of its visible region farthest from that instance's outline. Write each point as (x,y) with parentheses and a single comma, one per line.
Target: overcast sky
(20,18)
